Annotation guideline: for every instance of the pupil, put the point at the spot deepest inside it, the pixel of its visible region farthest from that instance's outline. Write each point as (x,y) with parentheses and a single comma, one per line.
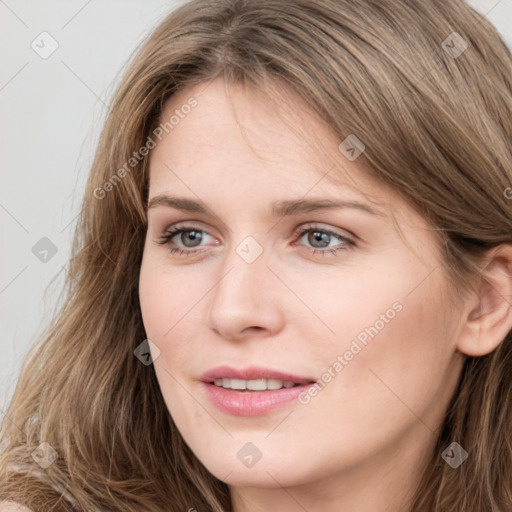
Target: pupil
(317,236)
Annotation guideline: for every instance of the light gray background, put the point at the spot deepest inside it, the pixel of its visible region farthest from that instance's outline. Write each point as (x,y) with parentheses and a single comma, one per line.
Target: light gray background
(52,111)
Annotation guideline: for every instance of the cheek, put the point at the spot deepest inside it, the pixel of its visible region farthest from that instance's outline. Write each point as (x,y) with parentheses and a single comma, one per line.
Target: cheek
(391,357)
(163,297)
(387,333)
(152,302)
(172,302)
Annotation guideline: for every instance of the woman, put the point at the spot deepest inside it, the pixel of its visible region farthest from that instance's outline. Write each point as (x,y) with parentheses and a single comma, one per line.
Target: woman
(291,283)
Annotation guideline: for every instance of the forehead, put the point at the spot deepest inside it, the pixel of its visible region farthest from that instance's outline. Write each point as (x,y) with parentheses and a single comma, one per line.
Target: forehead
(237,133)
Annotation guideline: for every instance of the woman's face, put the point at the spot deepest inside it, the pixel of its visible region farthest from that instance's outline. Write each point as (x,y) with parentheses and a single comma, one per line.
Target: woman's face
(264,278)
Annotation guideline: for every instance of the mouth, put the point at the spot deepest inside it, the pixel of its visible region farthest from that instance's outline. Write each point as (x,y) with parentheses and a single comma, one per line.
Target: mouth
(254,391)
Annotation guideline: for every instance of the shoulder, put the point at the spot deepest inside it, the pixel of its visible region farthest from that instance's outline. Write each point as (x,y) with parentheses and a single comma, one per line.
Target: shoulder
(11,506)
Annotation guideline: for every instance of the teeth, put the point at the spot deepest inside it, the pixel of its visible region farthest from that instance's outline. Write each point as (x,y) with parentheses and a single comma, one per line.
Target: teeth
(254,385)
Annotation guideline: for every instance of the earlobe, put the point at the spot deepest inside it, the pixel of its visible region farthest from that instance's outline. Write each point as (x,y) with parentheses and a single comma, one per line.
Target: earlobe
(489,316)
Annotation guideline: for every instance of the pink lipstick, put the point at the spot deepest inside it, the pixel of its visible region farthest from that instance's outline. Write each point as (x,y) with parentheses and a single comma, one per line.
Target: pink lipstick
(252,391)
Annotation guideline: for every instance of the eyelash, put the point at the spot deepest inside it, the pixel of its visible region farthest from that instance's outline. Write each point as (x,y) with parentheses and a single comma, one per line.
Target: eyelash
(346,243)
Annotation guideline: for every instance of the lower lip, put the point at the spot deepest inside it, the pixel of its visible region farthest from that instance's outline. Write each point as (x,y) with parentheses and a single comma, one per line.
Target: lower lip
(251,403)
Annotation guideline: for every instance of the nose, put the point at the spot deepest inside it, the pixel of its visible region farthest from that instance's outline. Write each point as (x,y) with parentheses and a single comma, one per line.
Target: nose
(245,302)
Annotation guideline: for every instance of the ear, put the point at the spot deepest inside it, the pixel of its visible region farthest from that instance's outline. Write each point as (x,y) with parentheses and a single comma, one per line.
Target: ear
(488,314)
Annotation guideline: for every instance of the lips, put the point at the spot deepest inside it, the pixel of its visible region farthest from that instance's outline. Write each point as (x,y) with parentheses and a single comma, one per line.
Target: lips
(252,403)
(253,373)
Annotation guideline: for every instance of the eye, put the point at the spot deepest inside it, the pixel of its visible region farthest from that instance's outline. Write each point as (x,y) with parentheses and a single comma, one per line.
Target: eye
(188,236)
(321,239)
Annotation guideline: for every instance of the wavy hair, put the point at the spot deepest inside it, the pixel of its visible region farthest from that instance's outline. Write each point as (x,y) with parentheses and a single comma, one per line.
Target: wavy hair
(434,110)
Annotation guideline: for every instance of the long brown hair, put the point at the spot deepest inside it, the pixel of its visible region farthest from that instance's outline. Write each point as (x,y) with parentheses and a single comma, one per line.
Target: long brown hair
(427,86)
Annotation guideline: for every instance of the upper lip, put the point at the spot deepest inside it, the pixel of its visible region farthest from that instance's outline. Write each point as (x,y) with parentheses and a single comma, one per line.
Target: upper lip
(252,373)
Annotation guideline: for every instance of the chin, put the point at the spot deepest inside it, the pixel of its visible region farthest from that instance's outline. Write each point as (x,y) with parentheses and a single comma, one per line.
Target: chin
(270,471)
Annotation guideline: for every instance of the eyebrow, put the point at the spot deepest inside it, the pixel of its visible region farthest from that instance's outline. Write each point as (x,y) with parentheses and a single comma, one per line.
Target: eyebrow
(279,208)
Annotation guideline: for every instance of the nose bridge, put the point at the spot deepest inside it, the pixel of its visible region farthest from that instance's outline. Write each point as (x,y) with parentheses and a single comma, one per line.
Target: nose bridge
(243,271)
(241,297)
